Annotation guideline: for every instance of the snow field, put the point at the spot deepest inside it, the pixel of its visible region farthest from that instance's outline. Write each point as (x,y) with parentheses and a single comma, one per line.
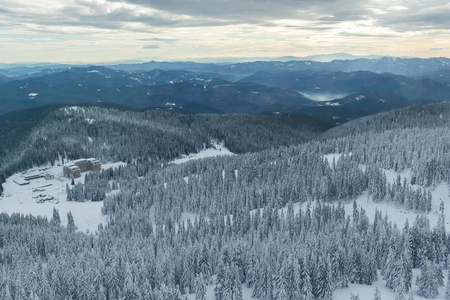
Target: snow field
(218,150)
(366,292)
(19,199)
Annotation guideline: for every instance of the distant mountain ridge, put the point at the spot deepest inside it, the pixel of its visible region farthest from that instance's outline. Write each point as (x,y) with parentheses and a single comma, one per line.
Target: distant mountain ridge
(330,96)
(399,66)
(333,62)
(155,89)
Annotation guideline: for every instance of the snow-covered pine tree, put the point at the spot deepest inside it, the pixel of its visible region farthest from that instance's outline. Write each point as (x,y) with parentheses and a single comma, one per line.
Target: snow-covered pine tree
(200,287)
(377,294)
(427,282)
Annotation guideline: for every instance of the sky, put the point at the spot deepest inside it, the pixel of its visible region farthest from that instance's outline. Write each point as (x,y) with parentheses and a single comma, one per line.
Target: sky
(111,30)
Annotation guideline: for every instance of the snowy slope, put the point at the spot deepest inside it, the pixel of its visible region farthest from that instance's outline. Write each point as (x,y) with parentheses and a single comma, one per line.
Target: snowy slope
(19,199)
(218,149)
(397,213)
(366,292)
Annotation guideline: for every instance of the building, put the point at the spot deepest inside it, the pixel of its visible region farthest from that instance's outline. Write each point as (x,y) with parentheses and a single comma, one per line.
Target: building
(94,164)
(71,171)
(74,169)
(21,181)
(33,175)
(49,176)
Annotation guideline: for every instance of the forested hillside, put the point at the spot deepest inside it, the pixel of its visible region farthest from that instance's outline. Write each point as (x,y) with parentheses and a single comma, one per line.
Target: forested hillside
(415,137)
(150,136)
(272,219)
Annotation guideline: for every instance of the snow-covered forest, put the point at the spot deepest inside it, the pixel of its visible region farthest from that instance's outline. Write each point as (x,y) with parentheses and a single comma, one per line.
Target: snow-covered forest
(270,220)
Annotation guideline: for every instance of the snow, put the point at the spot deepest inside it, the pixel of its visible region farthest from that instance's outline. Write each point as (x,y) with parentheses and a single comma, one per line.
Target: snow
(33,94)
(391,175)
(332,103)
(365,292)
(19,199)
(70,109)
(93,71)
(246,293)
(218,149)
(335,156)
(368,291)
(397,213)
(90,121)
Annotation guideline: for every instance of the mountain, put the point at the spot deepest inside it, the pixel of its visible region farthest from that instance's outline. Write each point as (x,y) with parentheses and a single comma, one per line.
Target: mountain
(337,97)
(26,70)
(430,116)
(334,85)
(156,135)
(299,200)
(442,76)
(166,89)
(111,77)
(399,66)
(319,57)
(4,78)
(332,62)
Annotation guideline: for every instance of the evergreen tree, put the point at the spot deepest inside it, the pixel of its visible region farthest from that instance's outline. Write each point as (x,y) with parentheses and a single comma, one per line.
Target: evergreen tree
(377,294)
(447,288)
(354,297)
(70,222)
(427,282)
(56,220)
(200,287)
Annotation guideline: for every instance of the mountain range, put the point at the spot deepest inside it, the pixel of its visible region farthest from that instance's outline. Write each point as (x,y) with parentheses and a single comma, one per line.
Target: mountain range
(333,92)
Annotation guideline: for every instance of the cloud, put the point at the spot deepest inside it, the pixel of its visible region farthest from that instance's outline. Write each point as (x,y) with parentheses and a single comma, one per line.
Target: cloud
(437,49)
(163,40)
(151,47)
(233,27)
(418,17)
(145,16)
(361,34)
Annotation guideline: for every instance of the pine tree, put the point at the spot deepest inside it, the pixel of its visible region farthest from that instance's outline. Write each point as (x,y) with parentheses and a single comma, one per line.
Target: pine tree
(399,293)
(427,282)
(354,297)
(70,222)
(200,287)
(56,220)
(447,289)
(377,294)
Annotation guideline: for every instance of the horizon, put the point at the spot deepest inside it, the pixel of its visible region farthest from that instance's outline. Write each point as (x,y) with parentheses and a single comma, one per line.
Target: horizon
(322,58)
(90,31)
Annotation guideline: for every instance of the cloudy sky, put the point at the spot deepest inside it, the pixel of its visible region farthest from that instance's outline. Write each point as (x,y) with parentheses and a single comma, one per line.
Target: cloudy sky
(109,30)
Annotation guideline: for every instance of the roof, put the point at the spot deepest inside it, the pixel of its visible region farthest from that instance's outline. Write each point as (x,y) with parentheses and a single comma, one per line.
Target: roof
(80,160)
(21,181)
(72,167)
